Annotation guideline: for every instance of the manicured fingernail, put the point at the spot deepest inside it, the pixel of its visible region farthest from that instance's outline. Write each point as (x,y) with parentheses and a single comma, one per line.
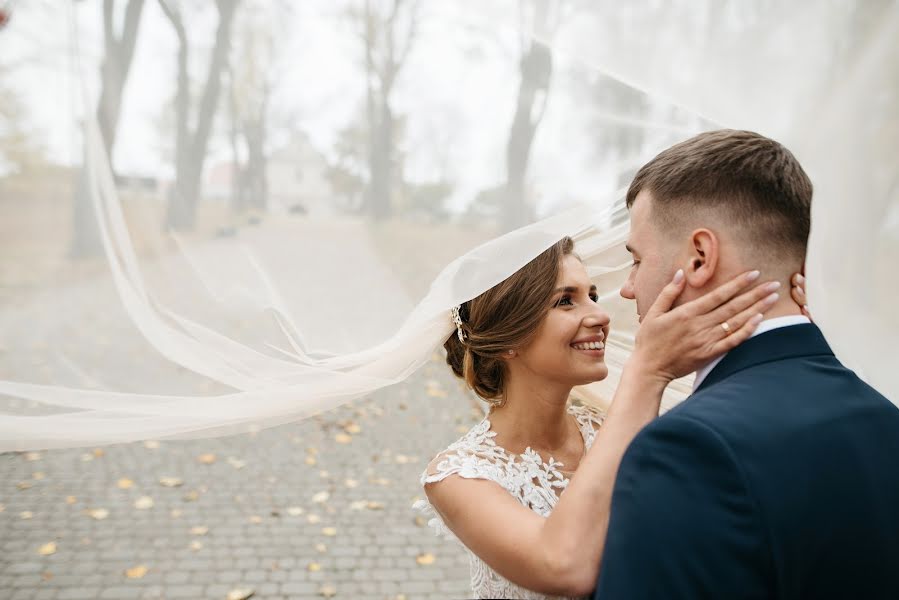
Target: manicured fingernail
(678,276)
(757,319)
(800,279)
(805,308)
(774,285)
(753,275)
(772,298)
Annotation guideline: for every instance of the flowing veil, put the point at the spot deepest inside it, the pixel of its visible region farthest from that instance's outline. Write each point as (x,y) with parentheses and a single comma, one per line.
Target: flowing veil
(221,220)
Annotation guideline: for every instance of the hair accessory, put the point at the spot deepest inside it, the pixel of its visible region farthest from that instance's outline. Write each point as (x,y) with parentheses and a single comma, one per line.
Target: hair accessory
(457,319)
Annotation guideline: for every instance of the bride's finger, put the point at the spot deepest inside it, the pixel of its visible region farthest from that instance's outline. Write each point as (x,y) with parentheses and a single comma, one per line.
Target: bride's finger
(741,326)
(761,293)
(719,295)
(667,296)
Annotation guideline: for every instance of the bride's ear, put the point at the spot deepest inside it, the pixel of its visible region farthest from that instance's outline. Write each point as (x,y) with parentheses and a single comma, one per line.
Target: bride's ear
(702,258)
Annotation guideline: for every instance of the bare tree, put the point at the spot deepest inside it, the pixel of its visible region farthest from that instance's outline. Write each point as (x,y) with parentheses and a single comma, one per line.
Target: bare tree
(388,31)
(191,144)
(118,52)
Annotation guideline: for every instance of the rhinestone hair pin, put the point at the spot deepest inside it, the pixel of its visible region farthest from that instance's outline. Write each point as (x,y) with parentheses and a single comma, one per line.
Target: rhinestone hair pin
(457,319)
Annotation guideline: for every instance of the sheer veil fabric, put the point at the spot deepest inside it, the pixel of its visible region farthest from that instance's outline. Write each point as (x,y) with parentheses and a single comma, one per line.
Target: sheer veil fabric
(183,335)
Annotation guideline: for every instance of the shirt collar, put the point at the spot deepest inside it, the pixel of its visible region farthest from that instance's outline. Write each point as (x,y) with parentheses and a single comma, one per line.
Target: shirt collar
(767,325)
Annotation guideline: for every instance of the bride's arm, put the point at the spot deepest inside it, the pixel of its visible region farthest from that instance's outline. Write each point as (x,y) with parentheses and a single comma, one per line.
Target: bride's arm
(561,554)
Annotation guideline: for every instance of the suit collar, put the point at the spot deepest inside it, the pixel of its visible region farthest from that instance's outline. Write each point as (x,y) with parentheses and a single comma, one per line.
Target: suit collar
(777,344)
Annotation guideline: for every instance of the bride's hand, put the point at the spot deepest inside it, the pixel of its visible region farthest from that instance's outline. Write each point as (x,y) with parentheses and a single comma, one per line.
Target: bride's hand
(673,342)
(798,293)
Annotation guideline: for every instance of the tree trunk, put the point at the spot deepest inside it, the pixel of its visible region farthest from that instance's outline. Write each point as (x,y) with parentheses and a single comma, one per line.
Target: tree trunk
(190,152)
(117,56)
(536,69)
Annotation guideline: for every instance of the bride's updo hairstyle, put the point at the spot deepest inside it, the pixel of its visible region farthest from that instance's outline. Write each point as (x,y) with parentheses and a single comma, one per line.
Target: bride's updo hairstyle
(503,318)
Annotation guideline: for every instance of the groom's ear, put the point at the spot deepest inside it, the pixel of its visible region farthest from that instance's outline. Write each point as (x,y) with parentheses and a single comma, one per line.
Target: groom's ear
(702,258)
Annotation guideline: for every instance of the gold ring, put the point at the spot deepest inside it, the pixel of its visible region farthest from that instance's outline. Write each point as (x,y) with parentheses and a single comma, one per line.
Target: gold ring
(726,328)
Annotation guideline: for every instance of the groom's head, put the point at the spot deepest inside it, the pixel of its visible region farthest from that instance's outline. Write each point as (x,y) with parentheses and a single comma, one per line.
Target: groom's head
(715,205)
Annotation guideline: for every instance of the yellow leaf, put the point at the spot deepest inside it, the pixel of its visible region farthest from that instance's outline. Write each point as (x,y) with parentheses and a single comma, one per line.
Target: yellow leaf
(98,513)
(425,559)
(26,514)
(401,459)
(151,444)
(32,456)
(310,460)
(24,485)
(192,496)
(136,572)
(87,457)
(196,545)
(329,531)
(99,452)
(352,428)
(46,575)
(240,594)
(2,507)
(38,475)
(236,463)
(143,503)
(311,450)
(176,513)
(351,483)
(206,459)
(295,511)
(314,567)
(199,530)
(171,482)
(47,549)
(313,519)
(328,591)
(71,499)
(125,484)
(374,506)
(342,438)
(321,548)
(420,521)
(321,497)
(256,519)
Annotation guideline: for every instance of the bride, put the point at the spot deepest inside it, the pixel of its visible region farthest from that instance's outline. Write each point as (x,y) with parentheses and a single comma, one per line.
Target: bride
(522,346)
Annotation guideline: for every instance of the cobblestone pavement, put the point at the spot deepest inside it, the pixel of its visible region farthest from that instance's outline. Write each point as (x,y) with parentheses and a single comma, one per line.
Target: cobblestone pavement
(312,509)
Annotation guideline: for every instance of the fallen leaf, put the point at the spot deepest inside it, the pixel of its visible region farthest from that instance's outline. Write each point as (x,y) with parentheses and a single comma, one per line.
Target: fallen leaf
(329,531)
(352,428)
(87,457)
(358,504)
(401,459)
(2,507)
(321,497)
(98,513)
(196,545)
(199,530)
(24,485)
(425,559)
(38,475)
(151,444)
(328,591)
(176,513)
(32,456)
(236,462)
(324,474)
(71,499)
(171,482)
(46,575)
(206,459)
(314,567)
(342,438)
(136,572)
(461,429)
(310,460)
(400,597)
(240,594)
(124,483)
(26,514)
(255,519)
(420,521)
(192,496)
(47,549)
(312,450)
(313,519)
(99,452)
(143,503)
(351,483)
(374,506)
(321,548)
(295,511)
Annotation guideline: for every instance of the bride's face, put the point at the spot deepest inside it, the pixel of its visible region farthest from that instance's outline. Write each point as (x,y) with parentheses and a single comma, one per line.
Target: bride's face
(569,345)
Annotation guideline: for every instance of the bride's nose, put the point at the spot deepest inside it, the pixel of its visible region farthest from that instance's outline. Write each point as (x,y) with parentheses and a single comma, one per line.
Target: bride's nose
(597,318)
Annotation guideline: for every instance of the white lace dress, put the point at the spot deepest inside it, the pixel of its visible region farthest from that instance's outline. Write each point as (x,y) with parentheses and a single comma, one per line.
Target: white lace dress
(534,483)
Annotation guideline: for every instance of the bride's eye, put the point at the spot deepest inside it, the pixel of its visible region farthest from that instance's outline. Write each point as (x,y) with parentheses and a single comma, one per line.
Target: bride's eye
(564,301)
(594,297)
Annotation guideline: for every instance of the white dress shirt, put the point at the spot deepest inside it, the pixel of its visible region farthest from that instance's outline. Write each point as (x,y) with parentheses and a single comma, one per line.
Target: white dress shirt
(768,325)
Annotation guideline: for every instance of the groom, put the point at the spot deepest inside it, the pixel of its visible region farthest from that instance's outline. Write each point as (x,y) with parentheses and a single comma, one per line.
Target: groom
(779,476)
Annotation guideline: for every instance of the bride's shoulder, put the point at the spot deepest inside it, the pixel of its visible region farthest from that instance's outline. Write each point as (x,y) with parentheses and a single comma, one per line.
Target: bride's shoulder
(467,456)
(586,414)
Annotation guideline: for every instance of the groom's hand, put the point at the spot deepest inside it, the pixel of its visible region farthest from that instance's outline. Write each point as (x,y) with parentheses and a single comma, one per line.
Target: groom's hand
(672,343)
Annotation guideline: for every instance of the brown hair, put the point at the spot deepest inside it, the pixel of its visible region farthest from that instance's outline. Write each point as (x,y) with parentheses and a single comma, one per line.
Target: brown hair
(752,181)
(503,318)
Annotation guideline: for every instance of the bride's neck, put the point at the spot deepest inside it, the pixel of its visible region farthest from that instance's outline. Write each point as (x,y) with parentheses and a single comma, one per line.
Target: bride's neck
(534,415)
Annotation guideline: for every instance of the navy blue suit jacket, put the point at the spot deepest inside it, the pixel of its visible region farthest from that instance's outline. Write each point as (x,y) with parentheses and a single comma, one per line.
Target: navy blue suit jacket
(778,478)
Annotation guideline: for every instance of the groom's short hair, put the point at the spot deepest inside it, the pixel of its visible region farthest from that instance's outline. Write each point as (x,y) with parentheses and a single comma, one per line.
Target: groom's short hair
(751,181)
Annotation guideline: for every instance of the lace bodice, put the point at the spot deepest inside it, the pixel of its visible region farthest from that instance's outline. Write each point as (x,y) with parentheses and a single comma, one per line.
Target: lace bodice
(534,483)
